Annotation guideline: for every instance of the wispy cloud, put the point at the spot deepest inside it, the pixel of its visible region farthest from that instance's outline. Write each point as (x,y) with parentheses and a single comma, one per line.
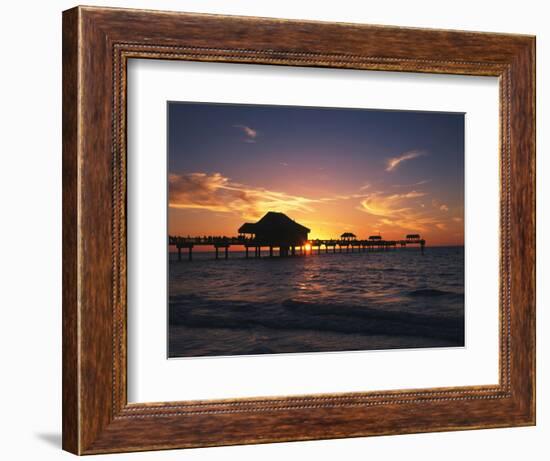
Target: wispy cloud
(394,162)
(444,208)
(387,205)
(342,197)
(419,183)
(215,192)
(250,133)
(401,211)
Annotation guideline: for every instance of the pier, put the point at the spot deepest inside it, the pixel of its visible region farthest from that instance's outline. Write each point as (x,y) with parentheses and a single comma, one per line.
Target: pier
(254,248)
(276,232)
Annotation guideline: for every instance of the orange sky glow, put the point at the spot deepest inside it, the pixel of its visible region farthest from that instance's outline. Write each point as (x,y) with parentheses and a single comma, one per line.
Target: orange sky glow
(211,204)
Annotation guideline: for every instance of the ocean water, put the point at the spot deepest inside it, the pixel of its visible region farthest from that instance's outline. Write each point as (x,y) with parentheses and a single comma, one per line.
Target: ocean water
(316,303)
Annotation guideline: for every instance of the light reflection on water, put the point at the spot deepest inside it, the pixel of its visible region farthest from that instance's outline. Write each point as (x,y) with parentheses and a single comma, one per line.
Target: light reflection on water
(316,292)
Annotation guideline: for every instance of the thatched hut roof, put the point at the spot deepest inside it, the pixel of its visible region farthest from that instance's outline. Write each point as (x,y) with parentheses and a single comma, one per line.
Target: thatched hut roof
(273,222)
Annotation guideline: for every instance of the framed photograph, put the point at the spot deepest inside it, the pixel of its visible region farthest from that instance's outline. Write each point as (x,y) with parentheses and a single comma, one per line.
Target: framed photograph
(280,230)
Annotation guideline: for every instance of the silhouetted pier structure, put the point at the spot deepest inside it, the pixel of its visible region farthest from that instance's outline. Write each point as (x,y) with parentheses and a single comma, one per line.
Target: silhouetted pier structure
(253,247)
(276,231)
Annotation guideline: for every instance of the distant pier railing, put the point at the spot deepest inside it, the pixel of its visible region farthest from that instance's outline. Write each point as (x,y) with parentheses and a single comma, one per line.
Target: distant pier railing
(309,247)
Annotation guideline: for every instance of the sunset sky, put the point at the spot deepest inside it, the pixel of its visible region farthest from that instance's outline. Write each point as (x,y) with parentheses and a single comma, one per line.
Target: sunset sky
(332,170)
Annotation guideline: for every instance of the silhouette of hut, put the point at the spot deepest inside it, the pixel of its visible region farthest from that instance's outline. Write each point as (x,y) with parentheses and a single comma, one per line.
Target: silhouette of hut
(413,237)
(348,236)
(375,237)
(277,230)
